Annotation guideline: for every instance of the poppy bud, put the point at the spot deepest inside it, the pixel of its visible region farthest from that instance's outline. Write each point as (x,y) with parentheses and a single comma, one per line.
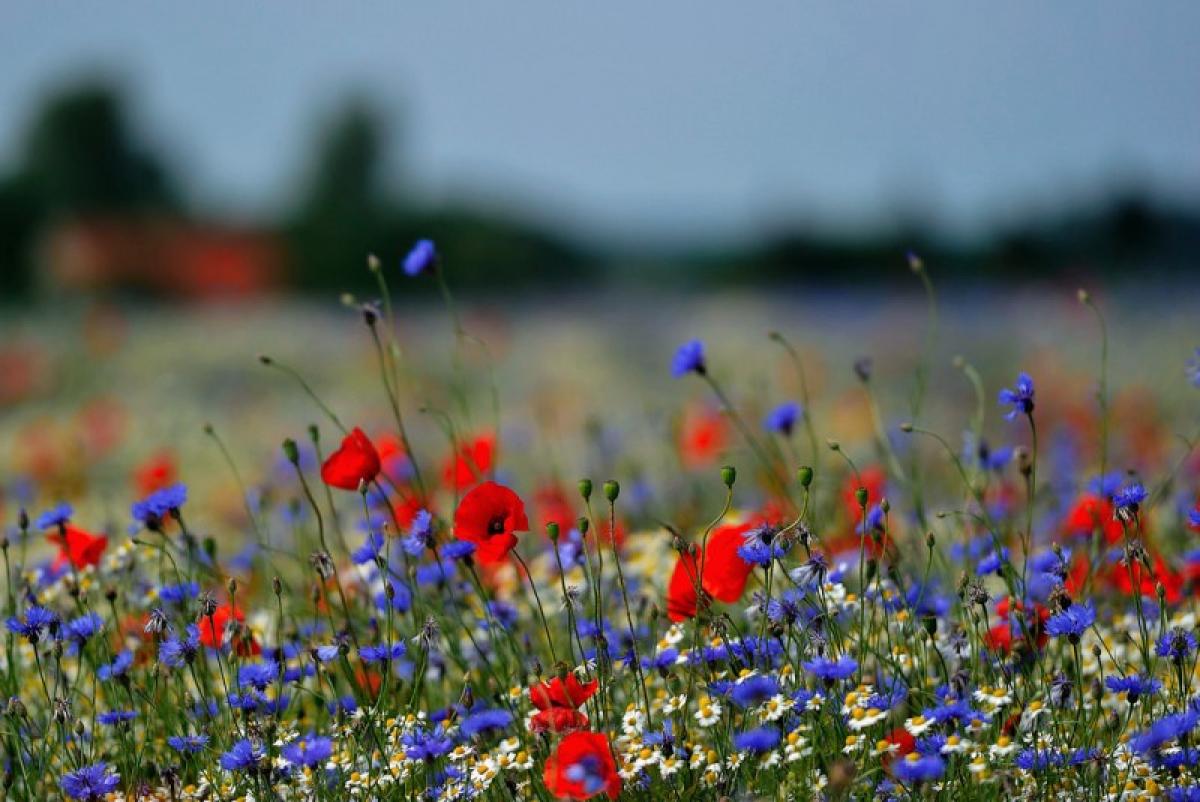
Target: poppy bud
(834,445)
(1024,462)
(373,263)
(611,490)
(110,594)
(728,475)
(277,586)
(585,488)
(805,475)
(885,505)
(861,496)
(266,360)
(915,263)
(552,531)
(930,540)
(291,451)
(362,486)
(22,519)
(1083,295)
(232,586)
(906,427)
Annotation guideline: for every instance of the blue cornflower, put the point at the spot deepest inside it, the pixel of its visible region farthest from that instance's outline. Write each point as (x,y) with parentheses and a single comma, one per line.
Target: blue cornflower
(30,627)
(1105,486)
(112,717)
(831,670)
(977,451)
(812,573)
(188,743)
(420,534)
(174,652)
(484,720)
(1129,499)
(754,690)
(992,562)
(1033,760)
(1193,369)
(457,550)
(85,626)
(1133,687)
(1167,728)
(310,750)
(759,739)
(429,745)
(1177,644)
(783,418)
(244,755)
(117,668)
(688,359)
(759,546)
(369,550)
(1072,622)
(178,594)
(90,783)
(1020,398)
(327,652)
(1194,517)
(382,652)
(159,504)
(258,675)
(423,256)
(663,660)
(58,515)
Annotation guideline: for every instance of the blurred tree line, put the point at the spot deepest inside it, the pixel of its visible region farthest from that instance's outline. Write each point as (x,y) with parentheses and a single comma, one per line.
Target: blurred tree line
(80,157)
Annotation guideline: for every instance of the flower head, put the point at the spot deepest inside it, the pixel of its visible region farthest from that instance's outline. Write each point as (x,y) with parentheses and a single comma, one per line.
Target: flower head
(1072,622)
(782,419)
(242,756)
(488,517)
(688,359)
(355,461)
(56,516)
(581,767)
(90,783)
(423,256)
(760,739)
(831,670)
(309,750)
(1020,398)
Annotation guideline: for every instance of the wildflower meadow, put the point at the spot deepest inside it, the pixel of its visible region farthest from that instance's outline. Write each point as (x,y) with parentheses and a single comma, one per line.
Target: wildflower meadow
(990,592)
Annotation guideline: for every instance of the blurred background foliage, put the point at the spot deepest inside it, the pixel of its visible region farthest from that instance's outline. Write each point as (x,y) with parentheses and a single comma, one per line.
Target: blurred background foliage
(87,190)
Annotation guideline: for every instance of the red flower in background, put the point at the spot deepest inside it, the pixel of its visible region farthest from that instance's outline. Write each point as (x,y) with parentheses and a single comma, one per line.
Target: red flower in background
(1002,637)
(356,460)
(78,547)
(471,464)
(155,473)
(393,459)
(558,719)
(581,767)
(703,437)
(553,505)
(212,630)
(1091,513)
(874,479)
(488,516)
(724,572)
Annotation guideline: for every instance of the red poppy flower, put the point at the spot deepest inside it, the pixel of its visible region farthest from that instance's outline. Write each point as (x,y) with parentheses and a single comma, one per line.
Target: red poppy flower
(212,630)
(873,479)
(581,767)
(157,472)
(406,509)
(553,505)
(558,719)
(724,572)
(356,460)
(471,464)
(488,516)
(78,547)
(1002,636)
(903,743)
(703,437)
(556,693)
(1091,513)
(393,459)
(1118,576)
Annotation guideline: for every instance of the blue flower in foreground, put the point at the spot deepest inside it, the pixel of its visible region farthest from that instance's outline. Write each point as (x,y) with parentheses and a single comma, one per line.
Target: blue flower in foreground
(242,756)
(688,359)
(831,670)
(159,504)
(309,750)
(1020,398)
(1167,728)
(917,768)
(35,621)
(90,783)
(760,739)
(1133,687)
(258,675)
(382,652)
(113,717)
(178,594)
(427,745)
(55,516)
(783,418)
(1129,499)
(457,550)
(420,258)
(754,690)
(85,626)
(484,720)
(759,546)
(175,652)
(1177,644)
(1072,622)
(188,743)
(117,668)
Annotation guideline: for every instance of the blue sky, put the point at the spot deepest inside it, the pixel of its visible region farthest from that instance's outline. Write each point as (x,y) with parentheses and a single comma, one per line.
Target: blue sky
(660,119)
